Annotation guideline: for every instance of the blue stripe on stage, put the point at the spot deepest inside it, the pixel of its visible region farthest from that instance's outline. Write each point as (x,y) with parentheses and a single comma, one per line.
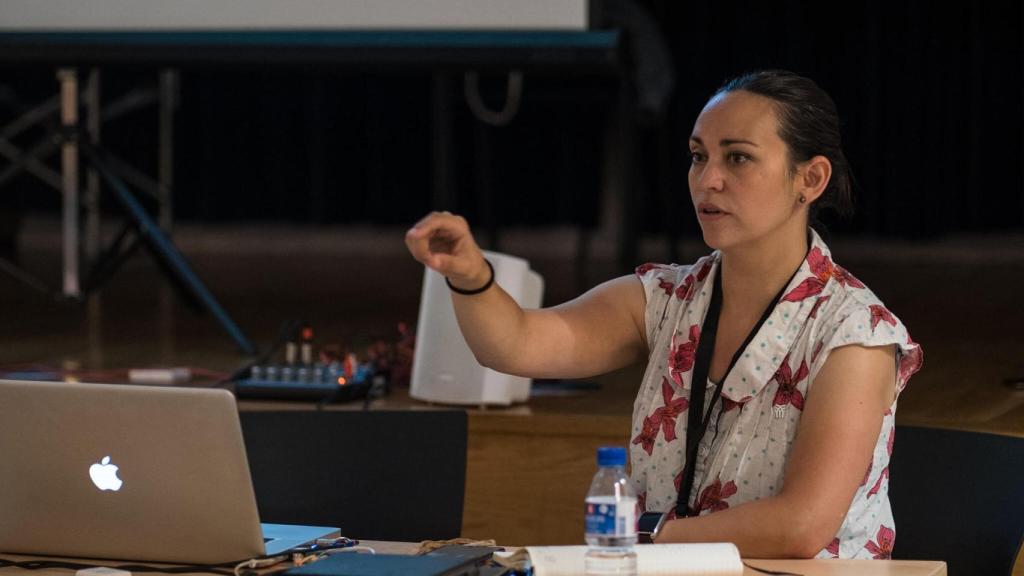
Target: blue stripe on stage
(325,38)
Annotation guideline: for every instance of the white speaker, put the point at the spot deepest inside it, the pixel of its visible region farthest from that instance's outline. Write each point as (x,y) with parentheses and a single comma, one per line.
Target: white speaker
(444,369)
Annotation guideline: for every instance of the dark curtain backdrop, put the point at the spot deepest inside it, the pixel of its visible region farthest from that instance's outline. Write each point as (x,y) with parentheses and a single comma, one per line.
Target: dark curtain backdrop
(329,147)
(930,96)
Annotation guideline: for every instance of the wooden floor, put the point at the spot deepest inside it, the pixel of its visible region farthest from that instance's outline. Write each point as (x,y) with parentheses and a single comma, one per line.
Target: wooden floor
(960,298)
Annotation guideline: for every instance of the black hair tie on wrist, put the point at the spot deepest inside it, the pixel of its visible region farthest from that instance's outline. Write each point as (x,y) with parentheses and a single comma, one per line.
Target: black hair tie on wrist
(476,290)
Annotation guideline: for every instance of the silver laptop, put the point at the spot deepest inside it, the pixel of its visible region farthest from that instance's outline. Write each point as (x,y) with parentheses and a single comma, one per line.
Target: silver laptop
(130,472)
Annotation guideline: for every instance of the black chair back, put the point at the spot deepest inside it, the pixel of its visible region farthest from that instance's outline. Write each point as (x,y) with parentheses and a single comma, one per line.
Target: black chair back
(958,496)
(377,475)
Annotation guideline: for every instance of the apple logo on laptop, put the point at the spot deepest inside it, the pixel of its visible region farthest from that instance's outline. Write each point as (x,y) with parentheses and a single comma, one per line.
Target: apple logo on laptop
(104,475)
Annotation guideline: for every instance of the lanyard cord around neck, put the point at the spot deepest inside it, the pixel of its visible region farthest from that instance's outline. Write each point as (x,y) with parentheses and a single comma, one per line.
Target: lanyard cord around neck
(696,420)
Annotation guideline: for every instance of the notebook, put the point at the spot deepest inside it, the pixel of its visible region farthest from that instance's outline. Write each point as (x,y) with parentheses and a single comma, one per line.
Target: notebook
(713,559)
(130,472)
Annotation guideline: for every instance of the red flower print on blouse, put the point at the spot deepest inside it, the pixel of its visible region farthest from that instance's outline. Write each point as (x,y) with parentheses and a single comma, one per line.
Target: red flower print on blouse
(817,350)
(663,418)
(882,549)
(729,405)
(647,435)
(667,286)
(822,269)
(817,304)
(871,466)
(673,408)
(892,440)
(880,314)
(846,279)
(641,502)
(682,356)
(705,269)
(833,548)
(878,483)
(910,362)
(645,268)
(788,392)
(714,497)
(687,288)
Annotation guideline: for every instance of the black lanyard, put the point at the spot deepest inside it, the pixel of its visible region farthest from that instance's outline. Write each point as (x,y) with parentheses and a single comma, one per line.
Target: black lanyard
(697,422)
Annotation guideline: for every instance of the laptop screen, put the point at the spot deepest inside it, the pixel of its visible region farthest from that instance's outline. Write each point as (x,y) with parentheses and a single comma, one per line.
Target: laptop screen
(141,473)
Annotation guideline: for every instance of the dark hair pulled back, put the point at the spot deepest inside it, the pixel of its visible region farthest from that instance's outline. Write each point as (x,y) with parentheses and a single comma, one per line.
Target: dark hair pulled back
(809,125)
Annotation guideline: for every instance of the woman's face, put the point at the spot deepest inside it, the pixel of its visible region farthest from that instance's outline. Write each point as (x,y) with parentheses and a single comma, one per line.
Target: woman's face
(740,181)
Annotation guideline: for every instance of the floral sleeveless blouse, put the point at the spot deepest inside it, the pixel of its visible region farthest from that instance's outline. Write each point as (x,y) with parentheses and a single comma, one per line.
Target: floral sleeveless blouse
(743,454)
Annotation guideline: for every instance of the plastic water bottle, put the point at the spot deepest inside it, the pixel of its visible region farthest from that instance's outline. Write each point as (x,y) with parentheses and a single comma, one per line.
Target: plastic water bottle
(611,517)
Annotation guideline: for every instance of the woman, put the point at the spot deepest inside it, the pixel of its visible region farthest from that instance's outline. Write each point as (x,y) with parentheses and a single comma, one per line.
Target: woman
(801,363)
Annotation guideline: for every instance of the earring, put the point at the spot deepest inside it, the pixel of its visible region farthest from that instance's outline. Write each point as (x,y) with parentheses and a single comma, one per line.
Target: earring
(803,199)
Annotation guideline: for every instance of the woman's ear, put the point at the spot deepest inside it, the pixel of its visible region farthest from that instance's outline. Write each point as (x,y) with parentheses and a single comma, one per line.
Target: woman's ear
(813,177)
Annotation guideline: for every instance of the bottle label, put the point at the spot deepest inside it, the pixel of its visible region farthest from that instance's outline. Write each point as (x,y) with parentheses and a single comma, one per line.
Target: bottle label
(608,517)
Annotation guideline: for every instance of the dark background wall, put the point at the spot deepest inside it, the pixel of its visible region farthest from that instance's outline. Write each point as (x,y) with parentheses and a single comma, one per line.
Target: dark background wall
(930,96)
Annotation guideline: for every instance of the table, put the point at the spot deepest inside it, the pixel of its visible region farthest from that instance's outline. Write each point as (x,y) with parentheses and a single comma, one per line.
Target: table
(802,567)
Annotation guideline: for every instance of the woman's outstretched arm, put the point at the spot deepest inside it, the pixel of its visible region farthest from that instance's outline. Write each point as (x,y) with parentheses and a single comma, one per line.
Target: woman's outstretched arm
(595,333)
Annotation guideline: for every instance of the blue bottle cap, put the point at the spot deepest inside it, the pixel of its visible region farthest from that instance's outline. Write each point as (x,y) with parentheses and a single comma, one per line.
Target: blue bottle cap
(611,456)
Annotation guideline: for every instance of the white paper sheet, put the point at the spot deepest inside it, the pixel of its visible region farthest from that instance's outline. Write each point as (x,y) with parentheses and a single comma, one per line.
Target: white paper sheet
(651,560)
